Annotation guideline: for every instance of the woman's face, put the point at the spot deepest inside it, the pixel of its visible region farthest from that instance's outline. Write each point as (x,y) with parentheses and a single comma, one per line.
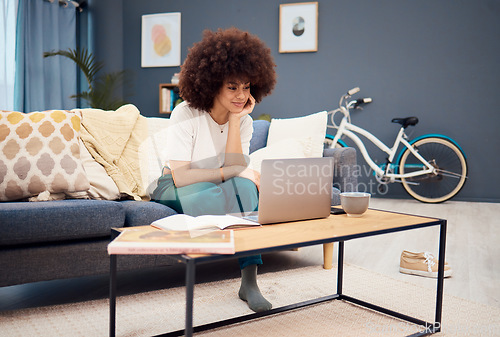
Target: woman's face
(233,96)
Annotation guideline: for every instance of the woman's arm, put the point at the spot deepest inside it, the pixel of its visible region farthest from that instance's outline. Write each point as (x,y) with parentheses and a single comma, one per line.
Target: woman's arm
(183,174)
(234,152)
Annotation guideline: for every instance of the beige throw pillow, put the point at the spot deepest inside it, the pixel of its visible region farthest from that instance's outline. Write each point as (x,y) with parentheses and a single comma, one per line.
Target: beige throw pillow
(39,152)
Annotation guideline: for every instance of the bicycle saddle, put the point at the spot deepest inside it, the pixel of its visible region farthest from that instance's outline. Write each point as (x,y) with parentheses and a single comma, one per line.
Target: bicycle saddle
(406,122)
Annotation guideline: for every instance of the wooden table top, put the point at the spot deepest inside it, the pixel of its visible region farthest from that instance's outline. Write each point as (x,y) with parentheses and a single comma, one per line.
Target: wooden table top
(334,226)
(317,231)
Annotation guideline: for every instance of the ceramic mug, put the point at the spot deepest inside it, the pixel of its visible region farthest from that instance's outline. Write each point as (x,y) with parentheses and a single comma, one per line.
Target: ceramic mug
(355,204)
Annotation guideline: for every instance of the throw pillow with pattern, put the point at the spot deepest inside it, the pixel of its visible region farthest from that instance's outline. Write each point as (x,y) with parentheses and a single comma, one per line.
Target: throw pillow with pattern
(39,152)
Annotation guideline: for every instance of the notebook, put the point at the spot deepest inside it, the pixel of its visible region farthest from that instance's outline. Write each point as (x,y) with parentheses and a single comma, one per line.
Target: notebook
(294,189)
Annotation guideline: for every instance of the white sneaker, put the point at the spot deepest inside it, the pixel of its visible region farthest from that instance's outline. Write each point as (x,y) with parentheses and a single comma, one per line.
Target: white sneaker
(421,264)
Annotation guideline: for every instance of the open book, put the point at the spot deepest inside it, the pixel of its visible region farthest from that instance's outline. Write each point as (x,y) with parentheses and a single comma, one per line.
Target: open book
(184,222)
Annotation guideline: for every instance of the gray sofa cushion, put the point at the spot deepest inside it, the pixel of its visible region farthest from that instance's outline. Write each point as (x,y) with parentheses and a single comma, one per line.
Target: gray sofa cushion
(143,213)
(50,221)
(65,260)
(346,171)
(259,136)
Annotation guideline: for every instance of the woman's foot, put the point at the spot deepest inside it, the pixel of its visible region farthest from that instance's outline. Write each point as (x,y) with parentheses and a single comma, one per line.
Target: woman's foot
(250,292)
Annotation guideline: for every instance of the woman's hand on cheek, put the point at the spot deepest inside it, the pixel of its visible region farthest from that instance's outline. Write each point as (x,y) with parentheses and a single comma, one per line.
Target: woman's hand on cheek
(248,108)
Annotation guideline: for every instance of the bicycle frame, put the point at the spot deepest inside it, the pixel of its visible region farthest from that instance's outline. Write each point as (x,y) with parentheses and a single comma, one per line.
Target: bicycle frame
(350,130)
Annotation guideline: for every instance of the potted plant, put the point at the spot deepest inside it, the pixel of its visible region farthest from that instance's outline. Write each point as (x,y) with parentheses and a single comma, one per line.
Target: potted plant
(102,90)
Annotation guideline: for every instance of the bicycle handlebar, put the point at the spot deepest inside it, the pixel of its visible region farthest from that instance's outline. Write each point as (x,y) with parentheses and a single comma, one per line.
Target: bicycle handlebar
(353,91)
(344,108)
(357,103)
(362,101)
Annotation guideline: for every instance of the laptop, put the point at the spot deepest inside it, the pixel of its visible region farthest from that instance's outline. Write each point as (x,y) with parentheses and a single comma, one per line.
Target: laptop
(294,189)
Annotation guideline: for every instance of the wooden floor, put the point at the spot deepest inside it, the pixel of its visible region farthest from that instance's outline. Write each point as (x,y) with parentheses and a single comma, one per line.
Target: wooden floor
(472,247)
(473,251)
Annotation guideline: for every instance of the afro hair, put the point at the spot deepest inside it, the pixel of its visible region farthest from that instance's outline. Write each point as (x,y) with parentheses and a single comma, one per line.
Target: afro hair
(221,55)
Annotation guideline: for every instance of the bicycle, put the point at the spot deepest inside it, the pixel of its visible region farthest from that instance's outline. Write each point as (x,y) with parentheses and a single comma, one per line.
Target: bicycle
(432,167)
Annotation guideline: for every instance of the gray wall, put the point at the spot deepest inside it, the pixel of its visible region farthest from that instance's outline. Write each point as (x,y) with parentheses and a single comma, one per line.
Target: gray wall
(437,60)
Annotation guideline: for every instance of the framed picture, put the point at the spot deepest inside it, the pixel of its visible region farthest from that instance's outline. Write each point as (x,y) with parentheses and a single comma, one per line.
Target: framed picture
(161,40)
(298,27)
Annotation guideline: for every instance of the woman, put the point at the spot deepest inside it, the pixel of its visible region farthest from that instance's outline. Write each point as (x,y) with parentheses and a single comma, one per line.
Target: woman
(221,80)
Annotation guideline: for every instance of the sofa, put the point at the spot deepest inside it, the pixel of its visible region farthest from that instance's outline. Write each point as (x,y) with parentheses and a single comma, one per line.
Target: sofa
(68,237)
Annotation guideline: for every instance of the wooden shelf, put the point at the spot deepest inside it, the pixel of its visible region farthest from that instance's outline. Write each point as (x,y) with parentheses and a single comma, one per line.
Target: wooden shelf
(168,94)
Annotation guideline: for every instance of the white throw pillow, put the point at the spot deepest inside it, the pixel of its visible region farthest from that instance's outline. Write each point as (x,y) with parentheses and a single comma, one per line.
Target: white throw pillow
(309,130)
(152,154)
(102,187)
(288,148)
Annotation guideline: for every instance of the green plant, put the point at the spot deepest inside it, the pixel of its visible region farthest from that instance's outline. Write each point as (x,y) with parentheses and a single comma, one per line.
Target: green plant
(265,117)
(103,91)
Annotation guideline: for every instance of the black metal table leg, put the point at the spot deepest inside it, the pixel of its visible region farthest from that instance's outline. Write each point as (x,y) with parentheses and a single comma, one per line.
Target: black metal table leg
(340,268)
(112,295)
(440,282)
(190,277)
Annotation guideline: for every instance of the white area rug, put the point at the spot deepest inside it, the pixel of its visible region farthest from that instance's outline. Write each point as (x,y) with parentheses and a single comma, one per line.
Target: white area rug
(158,312)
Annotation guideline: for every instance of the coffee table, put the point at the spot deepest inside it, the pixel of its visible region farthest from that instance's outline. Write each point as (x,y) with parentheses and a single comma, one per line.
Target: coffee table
(336,228)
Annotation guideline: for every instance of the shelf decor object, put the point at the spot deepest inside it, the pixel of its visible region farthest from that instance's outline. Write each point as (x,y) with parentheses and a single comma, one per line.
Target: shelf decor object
(161,40)
(298,30)
(169,97)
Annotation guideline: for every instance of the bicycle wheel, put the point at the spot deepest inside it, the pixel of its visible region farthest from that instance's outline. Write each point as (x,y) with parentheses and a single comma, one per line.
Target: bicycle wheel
(328,142)
(451,170)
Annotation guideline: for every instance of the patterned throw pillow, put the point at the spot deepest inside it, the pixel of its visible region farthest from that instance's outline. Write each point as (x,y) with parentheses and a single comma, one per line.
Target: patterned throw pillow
(39,152)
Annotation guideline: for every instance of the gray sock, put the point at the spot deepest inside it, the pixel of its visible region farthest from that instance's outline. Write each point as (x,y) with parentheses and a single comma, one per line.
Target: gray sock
(250,292)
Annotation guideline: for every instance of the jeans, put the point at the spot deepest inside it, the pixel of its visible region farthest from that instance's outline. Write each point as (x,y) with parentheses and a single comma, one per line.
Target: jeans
(235,195)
